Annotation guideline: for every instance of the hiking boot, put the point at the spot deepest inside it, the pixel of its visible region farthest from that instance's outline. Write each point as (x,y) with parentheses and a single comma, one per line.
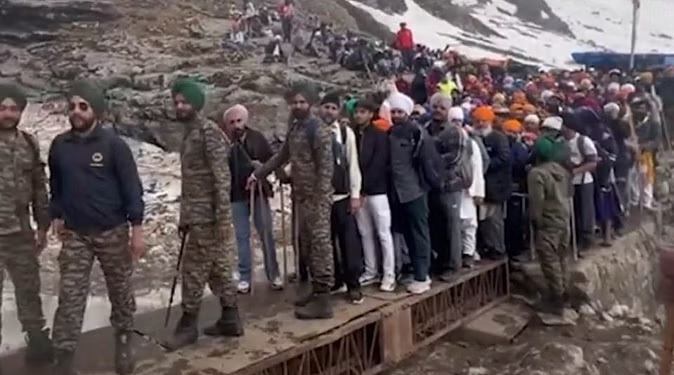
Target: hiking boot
(551,305)
(124,362)
(39,350)
(228,325)
(318,307)
(65,363)
(304,299)
(186,332)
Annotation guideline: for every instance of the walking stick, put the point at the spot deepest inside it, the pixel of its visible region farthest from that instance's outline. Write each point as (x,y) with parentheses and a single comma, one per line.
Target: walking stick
(667,342)
(251,225)
(283,234)
(183,243)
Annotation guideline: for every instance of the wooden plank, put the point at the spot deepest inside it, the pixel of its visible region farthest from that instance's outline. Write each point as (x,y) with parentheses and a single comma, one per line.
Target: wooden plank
(374,292)
(396,334)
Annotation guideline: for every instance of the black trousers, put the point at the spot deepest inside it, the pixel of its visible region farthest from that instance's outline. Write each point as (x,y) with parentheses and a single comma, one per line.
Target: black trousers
(584,213)
(346,245)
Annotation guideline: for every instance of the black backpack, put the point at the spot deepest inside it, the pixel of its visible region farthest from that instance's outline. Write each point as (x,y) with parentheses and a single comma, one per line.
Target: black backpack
(340,174)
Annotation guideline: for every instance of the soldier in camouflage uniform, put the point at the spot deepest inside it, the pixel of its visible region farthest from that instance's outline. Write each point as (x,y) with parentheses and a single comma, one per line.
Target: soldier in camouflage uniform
(96,194)
(549,187)
(205,217)
(308,147)
(23,184)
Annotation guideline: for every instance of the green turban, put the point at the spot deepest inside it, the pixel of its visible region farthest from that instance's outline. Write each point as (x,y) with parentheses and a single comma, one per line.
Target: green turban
(547,149)
(191,91)
(350,106)
(91,93)
(11,91)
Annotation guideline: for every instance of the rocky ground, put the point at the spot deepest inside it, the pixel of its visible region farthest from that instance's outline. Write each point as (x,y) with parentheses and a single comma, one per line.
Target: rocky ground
(615,343)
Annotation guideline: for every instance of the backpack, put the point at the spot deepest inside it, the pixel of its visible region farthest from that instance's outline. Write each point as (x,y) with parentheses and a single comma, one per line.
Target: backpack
(465,167)
(483,151)
(340,174)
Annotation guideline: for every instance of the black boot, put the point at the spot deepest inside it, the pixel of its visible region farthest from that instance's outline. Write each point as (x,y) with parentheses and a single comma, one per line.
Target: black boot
(186,332)
(304,299)
(228,325)
(65,363)
(551,305)
(124,362)
(39,350)
(318,307)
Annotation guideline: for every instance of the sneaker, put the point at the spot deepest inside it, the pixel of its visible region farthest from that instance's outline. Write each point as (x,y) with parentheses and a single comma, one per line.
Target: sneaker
(277,283)
(419,287)
(338,288)
(366,280)
(356,296)
(388,284)
(243,287)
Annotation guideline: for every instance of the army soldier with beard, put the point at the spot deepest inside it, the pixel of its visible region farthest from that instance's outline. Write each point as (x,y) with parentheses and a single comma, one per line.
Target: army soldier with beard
(205,217)
(23,184)
(96,194)
(308,148)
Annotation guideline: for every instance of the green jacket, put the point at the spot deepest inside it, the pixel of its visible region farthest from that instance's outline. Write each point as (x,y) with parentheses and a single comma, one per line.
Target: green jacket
(549,186)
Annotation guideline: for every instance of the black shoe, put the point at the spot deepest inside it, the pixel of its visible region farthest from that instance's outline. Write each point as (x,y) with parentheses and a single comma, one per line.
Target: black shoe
(65,363)
(304,299)
(468,262)
(447,276)
(318,307)
(39,350)
(553,305)
(124,362)
(355,296)
(337,288)
(229,324)
(186,332)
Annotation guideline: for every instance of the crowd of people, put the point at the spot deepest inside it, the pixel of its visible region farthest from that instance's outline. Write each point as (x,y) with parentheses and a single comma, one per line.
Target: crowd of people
(413,181)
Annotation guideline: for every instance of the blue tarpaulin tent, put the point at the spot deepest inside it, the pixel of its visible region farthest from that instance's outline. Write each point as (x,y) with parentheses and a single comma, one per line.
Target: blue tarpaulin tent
(621,60)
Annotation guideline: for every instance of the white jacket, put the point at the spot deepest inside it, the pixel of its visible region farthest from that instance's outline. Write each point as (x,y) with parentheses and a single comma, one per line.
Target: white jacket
(476,189)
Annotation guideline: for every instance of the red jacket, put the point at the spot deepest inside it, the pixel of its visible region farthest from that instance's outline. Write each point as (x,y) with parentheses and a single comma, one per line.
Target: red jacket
(404,39)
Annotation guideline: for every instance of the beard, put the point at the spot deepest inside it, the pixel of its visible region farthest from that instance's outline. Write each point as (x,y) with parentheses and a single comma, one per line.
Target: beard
(81,125)
(185,116)
(9,124)
(300,113)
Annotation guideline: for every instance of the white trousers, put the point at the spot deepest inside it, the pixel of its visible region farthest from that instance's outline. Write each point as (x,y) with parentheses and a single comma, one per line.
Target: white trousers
(641,191)
(469,236)
(374,222)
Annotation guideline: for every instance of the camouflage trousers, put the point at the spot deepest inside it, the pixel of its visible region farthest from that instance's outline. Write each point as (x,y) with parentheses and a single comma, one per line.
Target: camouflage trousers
(18,256)
(552,248)
(208,259)
(76,259)
(315,241)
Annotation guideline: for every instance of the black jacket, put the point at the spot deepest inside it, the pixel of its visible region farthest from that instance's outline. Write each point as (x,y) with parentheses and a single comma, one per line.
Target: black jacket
(498,179)
(374,158)
(252,145)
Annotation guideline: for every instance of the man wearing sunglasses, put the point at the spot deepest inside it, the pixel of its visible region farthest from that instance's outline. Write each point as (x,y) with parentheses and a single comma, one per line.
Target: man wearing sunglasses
(23,184)
(96,194)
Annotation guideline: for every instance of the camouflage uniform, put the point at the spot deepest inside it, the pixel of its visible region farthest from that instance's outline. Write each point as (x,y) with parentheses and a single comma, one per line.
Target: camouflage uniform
(312,168)
(205,210)
(23,184)
(76,258)
(549,189)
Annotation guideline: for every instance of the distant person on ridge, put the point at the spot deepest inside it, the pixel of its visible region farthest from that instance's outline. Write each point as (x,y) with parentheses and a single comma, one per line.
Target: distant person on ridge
(405,43)
(287,12)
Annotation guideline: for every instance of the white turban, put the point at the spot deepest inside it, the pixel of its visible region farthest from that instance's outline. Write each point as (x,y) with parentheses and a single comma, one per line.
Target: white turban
(456,113)
(554,123)
(532,118)
(402,102)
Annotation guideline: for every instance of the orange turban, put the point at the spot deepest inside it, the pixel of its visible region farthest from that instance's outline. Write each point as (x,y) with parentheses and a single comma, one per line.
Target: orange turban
(516,107)
(512,126)
(529,109)
(484,113)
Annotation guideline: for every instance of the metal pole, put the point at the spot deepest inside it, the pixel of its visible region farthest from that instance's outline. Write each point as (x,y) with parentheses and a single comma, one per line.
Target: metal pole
(636,4)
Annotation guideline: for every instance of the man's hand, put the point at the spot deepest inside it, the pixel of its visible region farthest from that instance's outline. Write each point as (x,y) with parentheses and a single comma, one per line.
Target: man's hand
(58,228)
(41,240)
(250,183)
(136,242)
(354,205)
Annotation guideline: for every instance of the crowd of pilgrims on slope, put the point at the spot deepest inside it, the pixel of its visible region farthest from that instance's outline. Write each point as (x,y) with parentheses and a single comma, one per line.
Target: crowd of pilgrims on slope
(452,189)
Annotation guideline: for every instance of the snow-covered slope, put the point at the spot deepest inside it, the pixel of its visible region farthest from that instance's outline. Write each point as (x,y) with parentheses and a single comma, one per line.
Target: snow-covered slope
(595,25)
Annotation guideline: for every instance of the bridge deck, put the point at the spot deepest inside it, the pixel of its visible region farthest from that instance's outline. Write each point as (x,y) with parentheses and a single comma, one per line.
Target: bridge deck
(360,339)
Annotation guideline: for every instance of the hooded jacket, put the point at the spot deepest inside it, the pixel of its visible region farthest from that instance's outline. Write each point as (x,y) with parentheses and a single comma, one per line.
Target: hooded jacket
(549,185)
